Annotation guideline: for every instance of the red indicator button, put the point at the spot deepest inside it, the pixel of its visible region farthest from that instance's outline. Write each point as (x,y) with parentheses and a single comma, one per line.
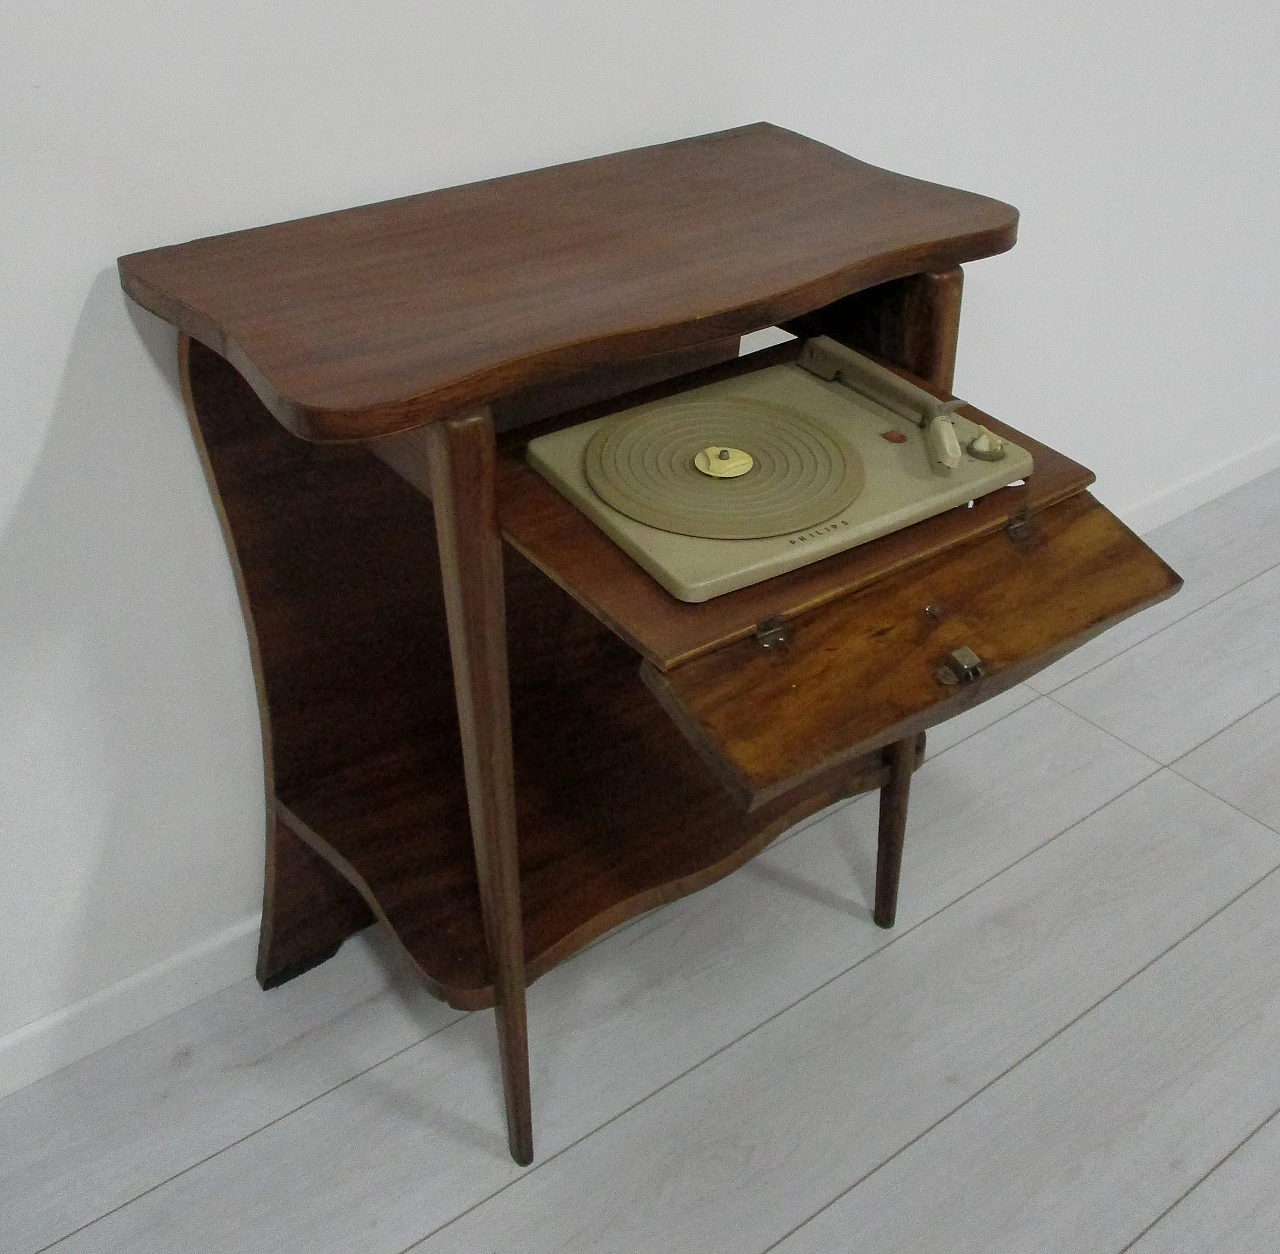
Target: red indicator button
(894,437)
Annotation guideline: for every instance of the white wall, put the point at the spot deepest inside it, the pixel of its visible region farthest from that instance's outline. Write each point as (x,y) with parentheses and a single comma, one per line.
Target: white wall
(1134,326)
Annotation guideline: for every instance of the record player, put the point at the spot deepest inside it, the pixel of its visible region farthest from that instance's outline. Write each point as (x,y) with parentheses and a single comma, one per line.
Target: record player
(746,478)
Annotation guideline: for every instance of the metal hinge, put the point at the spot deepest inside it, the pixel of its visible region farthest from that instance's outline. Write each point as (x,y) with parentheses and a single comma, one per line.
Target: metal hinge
(771,634)
(1021,526)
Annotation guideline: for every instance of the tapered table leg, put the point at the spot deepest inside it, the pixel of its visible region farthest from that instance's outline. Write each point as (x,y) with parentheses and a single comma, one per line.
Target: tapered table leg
(900,758)
(462,461)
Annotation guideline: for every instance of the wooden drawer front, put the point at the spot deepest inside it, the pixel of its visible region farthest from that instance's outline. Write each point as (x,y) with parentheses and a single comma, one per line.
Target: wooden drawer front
(862,672)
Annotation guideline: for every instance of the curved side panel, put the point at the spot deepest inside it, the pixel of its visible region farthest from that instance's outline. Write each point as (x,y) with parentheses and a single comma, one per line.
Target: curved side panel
(307,909)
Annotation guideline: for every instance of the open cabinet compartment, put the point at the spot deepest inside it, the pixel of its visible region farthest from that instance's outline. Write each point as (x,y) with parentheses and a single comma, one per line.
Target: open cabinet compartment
(657,745)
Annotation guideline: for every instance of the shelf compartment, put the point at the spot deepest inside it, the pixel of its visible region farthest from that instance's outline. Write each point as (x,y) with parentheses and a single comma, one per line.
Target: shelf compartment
(615,811)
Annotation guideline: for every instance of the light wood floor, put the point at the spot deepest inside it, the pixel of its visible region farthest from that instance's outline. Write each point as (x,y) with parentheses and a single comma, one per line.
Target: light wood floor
(1071,1041)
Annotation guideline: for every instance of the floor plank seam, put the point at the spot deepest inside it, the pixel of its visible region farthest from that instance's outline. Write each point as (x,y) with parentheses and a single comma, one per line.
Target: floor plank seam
(177,1175)
(1247,714)
(1066,1027)
(1200,744)
(805,824)
(1208,792)
(1182,618)
(1169,766)
(889,941)
(1106,731)
(1187,1193)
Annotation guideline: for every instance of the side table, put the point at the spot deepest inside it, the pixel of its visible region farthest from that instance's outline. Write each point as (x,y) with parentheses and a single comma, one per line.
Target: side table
(484,726)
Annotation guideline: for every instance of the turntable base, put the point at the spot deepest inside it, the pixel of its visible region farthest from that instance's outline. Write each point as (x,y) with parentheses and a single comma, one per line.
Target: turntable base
(835,463)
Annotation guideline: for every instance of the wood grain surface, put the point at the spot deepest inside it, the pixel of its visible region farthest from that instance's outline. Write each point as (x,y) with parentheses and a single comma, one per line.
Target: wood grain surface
(461,454)
(308,910)
(861,673)
(374,320)
(900,757)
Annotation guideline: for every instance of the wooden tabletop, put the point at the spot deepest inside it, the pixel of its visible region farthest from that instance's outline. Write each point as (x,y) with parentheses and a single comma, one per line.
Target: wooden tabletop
(370,321)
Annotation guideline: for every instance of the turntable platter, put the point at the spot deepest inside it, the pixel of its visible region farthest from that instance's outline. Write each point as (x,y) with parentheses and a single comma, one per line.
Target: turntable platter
(643,465)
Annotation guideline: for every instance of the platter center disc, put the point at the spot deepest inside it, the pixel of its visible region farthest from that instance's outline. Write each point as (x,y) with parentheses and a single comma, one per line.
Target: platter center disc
(644,464)
(723,463)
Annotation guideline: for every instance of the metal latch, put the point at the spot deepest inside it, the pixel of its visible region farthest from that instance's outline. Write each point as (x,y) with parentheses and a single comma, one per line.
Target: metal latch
(1021,526)
(771,634)
(961,666)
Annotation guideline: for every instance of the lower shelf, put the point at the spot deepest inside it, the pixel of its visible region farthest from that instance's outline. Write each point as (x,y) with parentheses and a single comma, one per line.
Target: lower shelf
(616,814)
